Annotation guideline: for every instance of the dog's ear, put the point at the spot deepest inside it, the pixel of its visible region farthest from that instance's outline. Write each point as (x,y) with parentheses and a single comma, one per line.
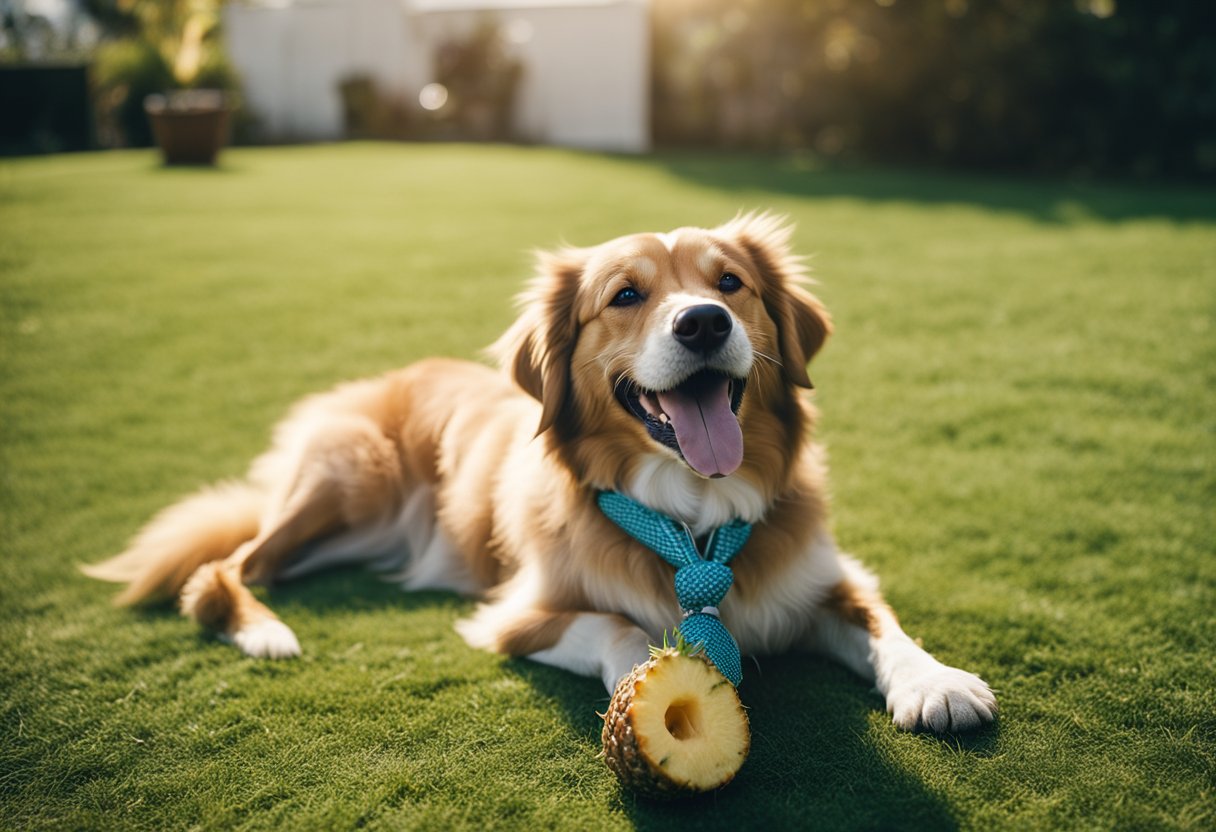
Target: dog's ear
(803,325)
(802,322)
(538,346)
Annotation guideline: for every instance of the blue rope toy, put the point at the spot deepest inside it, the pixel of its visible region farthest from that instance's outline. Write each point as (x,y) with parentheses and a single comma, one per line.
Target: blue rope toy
(701,583)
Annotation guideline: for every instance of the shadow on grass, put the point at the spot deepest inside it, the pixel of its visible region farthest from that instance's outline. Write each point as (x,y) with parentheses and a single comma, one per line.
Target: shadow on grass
(1049,201)
(813,760)
(353,589)
(348,589)
(818,733)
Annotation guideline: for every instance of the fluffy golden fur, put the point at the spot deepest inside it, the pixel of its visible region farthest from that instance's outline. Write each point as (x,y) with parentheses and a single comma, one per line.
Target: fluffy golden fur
(451,474)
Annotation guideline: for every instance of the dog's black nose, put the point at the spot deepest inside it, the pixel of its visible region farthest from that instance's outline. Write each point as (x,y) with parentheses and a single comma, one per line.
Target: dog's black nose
(702,328)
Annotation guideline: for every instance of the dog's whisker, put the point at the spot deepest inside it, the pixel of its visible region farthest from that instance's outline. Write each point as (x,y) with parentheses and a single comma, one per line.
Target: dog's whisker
(768,357)
(757,383)
(757,378)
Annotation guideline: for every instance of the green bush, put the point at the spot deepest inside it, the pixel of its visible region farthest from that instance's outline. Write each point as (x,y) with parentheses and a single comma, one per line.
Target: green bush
(159,45)
(1101,86)
(124,73)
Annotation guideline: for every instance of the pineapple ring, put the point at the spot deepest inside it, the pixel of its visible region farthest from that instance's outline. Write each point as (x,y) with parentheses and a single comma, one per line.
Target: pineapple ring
(675,726)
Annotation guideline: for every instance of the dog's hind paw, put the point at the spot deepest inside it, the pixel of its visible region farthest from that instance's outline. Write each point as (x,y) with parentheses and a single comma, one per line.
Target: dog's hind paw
(266,639)
(944,699)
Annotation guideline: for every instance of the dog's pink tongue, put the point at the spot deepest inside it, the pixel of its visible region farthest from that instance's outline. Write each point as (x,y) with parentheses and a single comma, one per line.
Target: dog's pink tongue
(707,430)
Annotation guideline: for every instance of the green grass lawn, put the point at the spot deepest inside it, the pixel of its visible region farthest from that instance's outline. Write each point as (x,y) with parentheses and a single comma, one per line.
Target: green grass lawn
(1019,401)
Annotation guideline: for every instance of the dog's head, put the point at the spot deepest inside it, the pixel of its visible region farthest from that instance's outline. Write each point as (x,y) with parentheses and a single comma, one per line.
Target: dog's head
(688,344)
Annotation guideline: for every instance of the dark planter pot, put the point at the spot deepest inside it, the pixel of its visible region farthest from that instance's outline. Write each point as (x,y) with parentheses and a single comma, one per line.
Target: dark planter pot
(190,126)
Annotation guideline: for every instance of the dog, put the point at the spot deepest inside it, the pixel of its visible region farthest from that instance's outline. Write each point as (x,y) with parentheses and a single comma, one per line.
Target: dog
(668,367)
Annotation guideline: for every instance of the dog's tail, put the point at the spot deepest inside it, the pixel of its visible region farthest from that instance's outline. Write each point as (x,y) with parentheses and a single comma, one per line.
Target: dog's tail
(207,526)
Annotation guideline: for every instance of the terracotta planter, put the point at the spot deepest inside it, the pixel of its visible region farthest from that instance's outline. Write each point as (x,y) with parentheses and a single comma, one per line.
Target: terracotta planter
(190,126)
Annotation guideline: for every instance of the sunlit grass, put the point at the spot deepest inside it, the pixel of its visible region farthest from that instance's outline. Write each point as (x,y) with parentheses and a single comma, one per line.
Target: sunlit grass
(1019,404)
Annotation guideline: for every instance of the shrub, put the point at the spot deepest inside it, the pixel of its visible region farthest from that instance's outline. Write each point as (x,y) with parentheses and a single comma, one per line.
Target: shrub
(1107,86)
(125,72)
(166,45)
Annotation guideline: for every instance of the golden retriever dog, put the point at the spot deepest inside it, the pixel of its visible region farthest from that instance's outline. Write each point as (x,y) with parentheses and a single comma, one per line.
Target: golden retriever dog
(668,367)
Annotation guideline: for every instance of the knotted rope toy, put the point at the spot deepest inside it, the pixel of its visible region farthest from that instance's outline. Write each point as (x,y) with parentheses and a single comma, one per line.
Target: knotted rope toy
(701,583)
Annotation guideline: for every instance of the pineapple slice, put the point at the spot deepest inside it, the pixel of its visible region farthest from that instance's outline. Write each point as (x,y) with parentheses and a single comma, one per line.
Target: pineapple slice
(675,726)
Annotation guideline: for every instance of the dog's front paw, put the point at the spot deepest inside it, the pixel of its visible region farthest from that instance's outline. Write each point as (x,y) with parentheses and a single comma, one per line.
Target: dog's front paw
(268,638)
(942,699)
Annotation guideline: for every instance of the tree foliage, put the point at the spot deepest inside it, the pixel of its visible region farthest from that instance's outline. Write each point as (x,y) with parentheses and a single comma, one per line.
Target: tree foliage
(1104,86)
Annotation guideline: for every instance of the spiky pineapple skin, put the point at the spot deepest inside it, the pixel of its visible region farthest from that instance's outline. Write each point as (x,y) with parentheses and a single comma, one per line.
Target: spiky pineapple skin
(621,749)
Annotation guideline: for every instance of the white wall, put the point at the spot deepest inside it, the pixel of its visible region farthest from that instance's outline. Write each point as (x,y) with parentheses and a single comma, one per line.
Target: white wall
(586,62)
(292,56)
(586,79)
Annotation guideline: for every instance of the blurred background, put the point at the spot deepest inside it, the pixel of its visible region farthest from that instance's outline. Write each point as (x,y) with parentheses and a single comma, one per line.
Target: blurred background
(1123,88)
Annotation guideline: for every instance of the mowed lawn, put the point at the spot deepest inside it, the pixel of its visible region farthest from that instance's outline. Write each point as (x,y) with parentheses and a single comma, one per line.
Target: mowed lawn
(1019,402)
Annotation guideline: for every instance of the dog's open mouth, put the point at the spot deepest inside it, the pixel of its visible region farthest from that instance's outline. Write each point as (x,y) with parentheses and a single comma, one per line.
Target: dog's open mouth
(698,419)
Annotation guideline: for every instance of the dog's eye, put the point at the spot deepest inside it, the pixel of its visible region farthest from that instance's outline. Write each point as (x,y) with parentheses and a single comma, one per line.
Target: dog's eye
(626,297)
(728,283)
